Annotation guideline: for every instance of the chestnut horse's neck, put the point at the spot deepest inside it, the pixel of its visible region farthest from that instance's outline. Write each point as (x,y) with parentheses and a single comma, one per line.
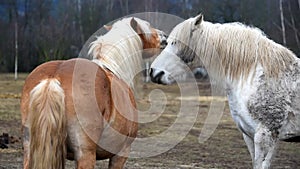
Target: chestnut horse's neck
(120,52)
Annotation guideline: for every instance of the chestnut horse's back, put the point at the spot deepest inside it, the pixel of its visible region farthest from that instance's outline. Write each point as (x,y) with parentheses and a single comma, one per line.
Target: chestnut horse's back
(51,94)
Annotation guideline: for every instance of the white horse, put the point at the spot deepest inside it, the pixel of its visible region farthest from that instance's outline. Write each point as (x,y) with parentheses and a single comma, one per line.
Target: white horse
(261,78)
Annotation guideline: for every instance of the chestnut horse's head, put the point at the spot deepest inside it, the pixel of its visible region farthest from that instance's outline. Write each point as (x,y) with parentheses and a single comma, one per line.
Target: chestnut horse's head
(152,39)
(123,47)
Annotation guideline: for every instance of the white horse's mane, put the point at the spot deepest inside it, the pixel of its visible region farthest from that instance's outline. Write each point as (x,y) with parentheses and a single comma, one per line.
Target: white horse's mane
(233,49)
(120,50)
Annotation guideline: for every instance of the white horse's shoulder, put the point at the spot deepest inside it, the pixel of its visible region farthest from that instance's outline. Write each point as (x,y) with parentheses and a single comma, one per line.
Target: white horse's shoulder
(239,95)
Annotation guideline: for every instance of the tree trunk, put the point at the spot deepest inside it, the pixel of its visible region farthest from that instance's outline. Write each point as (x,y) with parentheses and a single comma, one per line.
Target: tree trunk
(16,49)
(122,7)
(127,10)
(294,25)
(148,5)
(80,22)
(16,39)
(282,23)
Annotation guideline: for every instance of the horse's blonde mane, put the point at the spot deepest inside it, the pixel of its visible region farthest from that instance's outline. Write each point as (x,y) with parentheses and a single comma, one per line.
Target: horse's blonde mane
(234,49)
(120,50)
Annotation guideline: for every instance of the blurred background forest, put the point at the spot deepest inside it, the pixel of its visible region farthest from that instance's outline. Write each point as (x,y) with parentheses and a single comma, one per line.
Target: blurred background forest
(36,31)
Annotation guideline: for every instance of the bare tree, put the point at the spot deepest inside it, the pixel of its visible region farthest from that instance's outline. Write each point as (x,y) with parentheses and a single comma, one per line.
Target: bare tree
(109,6)
(16,50)
(294,25)
(282,22)
(148,5)
(15,6)
(126,5)
(80,21)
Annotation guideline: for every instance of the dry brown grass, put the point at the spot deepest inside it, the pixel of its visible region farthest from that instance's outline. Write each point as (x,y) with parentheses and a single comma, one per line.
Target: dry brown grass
(224,149)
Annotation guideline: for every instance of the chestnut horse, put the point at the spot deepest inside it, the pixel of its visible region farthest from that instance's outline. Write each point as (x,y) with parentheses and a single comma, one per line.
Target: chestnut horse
(84,110)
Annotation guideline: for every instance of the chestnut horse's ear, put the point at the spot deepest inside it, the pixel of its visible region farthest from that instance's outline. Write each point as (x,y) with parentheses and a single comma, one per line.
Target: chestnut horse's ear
(135,26)
(107,27)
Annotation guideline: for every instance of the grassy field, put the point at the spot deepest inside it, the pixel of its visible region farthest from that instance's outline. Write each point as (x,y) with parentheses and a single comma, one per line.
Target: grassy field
(224,149)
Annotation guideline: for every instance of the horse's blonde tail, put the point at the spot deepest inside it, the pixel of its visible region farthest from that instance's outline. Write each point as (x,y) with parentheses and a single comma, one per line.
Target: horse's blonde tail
(47,125)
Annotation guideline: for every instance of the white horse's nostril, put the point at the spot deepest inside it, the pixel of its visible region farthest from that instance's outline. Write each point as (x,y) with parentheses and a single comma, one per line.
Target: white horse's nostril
(156,75)
(163,44)
(151,72)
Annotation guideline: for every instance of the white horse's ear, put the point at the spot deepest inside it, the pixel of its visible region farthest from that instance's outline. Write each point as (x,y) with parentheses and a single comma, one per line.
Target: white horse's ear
(198,20)
(107,27)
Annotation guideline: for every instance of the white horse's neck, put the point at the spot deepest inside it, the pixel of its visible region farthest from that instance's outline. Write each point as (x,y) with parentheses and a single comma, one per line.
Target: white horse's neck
(120,52)
(232,51)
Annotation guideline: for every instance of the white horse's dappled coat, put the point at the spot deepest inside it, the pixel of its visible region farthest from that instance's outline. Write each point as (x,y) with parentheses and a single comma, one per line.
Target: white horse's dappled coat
(261,78)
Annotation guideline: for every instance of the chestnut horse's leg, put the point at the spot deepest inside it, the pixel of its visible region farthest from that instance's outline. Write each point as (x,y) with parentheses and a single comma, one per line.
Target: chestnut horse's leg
(85,153)
(25,146)
(118,162)
(87,159)
(84,148)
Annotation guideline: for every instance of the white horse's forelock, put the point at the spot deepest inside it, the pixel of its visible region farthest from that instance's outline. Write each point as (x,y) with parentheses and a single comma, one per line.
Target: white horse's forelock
(233,49)
(120,50)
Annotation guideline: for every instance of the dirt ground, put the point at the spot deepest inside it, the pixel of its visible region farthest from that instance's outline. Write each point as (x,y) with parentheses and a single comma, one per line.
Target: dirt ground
(224,149)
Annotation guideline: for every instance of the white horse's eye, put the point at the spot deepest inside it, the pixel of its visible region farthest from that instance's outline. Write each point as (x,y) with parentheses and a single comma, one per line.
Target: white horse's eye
(173,43)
